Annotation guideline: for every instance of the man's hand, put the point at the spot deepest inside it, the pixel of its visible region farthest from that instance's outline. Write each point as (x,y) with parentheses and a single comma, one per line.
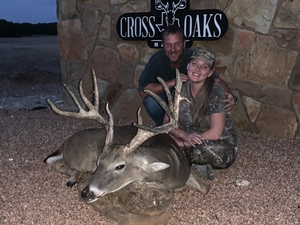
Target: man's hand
(231,102)
(184,78)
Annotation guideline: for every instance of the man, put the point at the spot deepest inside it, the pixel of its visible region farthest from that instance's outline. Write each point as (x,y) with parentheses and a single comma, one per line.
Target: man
(163,64)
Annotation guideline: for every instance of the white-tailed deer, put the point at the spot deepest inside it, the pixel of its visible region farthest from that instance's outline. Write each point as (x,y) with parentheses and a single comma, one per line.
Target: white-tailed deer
(121,155)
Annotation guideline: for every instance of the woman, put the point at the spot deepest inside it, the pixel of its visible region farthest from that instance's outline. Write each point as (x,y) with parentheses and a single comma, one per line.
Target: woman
(206,131)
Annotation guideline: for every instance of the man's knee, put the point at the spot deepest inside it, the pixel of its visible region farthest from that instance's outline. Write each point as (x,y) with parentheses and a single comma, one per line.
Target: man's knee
(151,105)
(154,110)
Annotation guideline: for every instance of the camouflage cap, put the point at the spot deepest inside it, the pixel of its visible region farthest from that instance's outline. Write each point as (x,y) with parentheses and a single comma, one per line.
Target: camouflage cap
(205,54)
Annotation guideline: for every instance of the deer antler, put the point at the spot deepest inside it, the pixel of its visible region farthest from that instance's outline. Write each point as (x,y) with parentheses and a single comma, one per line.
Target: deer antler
(160,6)
(180,5)
(93,110)
(172,111)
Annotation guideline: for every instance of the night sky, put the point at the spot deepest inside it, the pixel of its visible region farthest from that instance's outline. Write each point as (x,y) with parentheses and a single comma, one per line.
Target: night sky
(28,11)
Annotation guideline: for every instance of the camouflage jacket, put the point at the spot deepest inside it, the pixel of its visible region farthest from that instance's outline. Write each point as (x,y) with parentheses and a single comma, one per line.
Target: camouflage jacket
(216,105)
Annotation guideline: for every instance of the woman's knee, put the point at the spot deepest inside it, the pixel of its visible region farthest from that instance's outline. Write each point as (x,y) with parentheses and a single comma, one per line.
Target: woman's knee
(217,153)
(228,158)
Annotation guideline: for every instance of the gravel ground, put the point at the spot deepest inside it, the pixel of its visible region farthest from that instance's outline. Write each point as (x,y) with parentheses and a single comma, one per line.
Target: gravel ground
(33,193)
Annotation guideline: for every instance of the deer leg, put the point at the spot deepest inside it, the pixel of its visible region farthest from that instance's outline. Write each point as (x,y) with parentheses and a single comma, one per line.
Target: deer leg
(61,167)
(74,175)
(196,183)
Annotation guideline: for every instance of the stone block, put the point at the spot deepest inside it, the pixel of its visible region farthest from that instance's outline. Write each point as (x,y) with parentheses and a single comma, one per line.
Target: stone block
(252,108)
(280,97)
(253,65)
(106,63)
(288,15)
(128,52)
(277,122)
(254,14)
(71,41)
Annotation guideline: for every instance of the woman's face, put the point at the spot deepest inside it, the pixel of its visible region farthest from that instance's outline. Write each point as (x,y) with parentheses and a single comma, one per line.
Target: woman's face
(198,70)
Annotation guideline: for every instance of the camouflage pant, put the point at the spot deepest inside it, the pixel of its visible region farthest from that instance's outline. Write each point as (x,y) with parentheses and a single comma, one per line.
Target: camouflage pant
(217,153)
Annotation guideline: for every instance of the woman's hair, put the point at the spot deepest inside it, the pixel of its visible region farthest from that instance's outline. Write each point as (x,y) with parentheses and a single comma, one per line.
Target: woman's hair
(200,106)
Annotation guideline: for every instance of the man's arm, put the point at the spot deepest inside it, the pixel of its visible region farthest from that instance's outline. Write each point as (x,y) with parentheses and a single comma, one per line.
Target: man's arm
(158,89)
(223,84)
(231,100)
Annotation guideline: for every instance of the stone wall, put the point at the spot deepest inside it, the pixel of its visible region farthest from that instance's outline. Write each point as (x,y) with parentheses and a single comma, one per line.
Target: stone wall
(258,57)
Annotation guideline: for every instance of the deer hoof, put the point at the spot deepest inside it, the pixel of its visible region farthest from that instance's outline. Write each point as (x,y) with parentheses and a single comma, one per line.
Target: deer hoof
(70,184)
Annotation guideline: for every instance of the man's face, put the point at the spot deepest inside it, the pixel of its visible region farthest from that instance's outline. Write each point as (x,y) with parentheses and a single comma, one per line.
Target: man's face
(173,46)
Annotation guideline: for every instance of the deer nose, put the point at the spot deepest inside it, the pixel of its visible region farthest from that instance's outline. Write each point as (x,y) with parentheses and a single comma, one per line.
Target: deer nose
(86,194)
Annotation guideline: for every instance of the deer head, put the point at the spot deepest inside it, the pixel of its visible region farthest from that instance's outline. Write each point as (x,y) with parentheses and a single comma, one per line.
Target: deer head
(170,13)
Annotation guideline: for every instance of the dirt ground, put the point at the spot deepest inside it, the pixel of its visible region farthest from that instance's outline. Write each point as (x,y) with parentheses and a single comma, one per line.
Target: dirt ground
(30,72)
(39,53)
(32,193)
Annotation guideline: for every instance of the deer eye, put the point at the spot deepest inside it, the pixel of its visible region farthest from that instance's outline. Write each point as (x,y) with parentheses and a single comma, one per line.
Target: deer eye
(119,167)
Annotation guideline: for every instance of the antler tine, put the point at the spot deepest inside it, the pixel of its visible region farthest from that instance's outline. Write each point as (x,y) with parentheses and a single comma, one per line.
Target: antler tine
(172,110)
(177,97)
(93,110)
(58,111)
(96,91)
(145,132)
(162,103)
(109,130)
(140,120)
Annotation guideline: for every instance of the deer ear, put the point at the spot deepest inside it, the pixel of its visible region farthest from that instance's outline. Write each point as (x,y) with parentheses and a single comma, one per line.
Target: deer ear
(150,164)
(154,167)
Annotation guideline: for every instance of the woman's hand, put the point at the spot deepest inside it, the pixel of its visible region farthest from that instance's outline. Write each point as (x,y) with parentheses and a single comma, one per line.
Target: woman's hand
(193,138)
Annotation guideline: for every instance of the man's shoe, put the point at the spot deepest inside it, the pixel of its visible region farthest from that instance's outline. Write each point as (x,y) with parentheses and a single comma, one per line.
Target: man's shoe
(204,171)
